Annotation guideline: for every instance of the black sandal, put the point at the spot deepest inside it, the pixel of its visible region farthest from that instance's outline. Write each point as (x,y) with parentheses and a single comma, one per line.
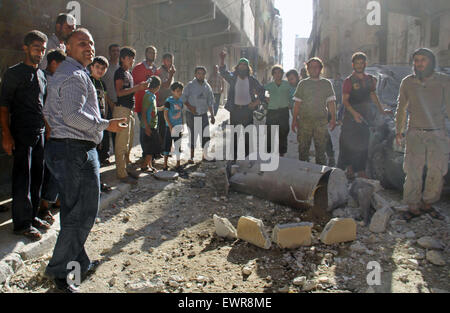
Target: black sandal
(105,188)
(409,215)
(433,213)
(30,232)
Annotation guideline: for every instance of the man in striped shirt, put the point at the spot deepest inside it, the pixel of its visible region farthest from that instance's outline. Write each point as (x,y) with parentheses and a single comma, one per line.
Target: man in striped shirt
(73,115)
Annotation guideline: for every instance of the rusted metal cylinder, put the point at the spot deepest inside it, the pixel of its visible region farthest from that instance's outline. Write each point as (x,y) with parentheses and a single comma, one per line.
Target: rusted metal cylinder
(295,183)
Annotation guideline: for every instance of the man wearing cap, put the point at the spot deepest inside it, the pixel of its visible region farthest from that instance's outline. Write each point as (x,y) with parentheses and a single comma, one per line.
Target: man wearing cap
(244,96)
(425,96)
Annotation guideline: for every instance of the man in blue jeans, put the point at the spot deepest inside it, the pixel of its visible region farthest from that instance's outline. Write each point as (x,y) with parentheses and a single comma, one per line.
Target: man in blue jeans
(73,115)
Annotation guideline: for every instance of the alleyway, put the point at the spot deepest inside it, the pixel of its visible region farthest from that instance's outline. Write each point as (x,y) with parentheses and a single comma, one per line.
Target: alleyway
(160,237)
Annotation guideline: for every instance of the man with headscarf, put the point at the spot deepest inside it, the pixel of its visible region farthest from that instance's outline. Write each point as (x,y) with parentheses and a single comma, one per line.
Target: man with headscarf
(244,96)
(425,96)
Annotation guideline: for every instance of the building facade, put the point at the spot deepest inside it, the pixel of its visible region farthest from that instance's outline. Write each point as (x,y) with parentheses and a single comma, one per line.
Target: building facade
(195,31)
(341,27)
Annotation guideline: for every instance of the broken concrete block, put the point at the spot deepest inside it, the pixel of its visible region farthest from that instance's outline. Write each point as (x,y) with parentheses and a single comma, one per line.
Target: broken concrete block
(252,230)
(380,220)
(5,271)
(375,183)
(14,260)
(378,202)
(428,242)
(291,236)
(435,258)
(224,228)
(339,230)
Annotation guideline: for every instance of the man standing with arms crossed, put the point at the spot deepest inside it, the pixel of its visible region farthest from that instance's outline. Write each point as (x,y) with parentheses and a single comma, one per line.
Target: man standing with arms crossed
(425,95)
(73,114)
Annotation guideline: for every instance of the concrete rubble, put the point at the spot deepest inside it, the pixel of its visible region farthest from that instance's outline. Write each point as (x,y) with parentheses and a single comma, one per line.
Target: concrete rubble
(252,230)
(291,236)
(380,220)
(339,230)
(224,228)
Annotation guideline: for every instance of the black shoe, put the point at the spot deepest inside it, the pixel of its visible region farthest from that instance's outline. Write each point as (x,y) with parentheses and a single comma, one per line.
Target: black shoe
(133,174)
(129,180)
(62,286)
(92,268)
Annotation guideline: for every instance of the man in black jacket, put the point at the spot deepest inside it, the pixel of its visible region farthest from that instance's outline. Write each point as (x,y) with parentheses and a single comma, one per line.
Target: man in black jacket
(244,96)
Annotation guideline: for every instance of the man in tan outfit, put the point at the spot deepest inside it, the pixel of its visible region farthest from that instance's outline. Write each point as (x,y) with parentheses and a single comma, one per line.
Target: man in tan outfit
(425,95)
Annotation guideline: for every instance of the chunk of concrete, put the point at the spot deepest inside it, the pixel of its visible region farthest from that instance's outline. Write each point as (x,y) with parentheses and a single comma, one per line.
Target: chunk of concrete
(252,230)
(435,258)
(380,220)
(291,236)
(339,230)
(13,260)
(375,183)
(378,202)
(224,228)
(5,272)
(428,242)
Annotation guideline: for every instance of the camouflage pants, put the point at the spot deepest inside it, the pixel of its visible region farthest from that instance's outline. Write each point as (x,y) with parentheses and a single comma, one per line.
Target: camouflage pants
(308,130)
(430,148)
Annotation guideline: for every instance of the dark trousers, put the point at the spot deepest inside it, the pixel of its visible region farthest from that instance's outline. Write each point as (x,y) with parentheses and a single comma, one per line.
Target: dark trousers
(103,147)
(279,118)
(217,97)
(75,166)
(241,115)
(49,187)
(161,129)
(190,122)
(27,175)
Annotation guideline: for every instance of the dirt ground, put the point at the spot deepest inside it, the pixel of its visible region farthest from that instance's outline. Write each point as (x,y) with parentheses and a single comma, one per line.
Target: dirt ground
(164,232)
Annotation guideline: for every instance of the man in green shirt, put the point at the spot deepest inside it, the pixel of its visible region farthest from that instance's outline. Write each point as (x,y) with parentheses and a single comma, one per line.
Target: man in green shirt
(314,98)
(278,109)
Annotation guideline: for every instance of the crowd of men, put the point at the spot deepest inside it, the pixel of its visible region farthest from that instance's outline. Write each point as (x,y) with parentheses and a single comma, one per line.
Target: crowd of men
(60,106)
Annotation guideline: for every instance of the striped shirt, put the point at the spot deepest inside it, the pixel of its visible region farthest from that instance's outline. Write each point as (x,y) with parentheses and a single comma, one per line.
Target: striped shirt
(71,109)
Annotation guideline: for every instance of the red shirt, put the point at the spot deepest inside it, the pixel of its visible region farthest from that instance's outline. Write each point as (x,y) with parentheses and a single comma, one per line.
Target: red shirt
(141,73)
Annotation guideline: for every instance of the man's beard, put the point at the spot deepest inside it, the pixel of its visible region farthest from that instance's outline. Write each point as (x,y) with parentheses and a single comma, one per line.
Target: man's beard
(35,59)
(429,70)
(243,73)
(150,60)
(201,81)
